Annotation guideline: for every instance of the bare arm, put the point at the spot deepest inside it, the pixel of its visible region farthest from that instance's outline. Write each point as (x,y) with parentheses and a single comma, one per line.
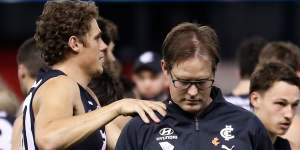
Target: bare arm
(17,132)
(57,128)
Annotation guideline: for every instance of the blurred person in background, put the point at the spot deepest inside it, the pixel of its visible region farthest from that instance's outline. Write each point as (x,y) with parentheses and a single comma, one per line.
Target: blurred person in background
(274,96)
(247,57)
(148,77)
(108,86)
(8,109)
(29,60)
(287,53)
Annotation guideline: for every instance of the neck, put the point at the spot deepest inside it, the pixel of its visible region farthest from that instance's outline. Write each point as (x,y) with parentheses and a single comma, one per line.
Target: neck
(273,137)
(242,88)
(74,72)
(28,84)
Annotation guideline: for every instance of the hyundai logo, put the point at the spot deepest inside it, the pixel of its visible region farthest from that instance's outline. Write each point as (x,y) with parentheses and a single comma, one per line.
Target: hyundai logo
(166,131)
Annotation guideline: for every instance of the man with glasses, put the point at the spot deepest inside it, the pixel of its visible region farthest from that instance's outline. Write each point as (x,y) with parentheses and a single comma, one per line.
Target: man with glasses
(198,117)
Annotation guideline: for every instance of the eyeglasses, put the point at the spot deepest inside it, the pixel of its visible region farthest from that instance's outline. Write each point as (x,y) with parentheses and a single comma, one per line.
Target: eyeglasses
(201,84)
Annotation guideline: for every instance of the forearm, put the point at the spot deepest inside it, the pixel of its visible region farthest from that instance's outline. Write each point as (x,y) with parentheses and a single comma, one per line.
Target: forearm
(112,132)
(64,132)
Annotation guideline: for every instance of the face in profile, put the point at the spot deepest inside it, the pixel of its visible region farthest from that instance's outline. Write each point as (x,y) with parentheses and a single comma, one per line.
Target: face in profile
(190,83)
(277,106)
(93,53)
(149,84)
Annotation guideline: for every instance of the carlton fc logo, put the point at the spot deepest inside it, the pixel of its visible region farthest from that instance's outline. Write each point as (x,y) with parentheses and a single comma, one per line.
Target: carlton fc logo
(226,133)
(166,131)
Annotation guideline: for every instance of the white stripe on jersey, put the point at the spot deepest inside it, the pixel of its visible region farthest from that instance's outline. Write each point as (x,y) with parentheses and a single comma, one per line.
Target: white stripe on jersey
(28,123)
(239,101)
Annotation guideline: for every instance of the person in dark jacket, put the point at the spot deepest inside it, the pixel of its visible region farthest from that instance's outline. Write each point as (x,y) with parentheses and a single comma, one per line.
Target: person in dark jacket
(275,95)
(198,117)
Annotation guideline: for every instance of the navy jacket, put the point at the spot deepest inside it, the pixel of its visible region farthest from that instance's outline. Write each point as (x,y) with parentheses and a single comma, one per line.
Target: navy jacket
(221,126)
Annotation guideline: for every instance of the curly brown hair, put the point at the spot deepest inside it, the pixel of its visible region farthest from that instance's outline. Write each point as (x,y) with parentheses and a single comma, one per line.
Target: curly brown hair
(60,20)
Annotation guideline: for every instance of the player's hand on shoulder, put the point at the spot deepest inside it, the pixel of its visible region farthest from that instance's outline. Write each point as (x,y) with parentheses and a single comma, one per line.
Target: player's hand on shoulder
(144,108)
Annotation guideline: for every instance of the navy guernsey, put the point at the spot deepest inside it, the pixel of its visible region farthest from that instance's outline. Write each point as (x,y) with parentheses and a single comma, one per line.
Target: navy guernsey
(221,126)
(95,141)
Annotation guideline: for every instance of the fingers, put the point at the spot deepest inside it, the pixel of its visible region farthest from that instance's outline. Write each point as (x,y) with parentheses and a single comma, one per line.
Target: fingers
(161,109)
(142,115)
(150,112)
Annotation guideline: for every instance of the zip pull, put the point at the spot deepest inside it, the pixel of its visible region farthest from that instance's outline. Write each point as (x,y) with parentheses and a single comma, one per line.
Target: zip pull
(196,124)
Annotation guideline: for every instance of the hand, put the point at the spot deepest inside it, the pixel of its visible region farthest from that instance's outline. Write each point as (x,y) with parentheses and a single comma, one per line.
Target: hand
(142,107)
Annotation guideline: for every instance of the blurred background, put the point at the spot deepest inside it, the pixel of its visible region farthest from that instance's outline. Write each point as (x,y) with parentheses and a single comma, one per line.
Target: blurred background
(144,24)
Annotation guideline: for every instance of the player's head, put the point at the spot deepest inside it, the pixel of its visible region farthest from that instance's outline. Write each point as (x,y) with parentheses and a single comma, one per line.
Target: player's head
(110,37)
(68,28)
(274,96)
(283,52)
(29,62)
(190,58)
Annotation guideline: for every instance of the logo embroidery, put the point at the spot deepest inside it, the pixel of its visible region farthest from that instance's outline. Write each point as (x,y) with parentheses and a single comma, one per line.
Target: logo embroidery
(215,141)
(166,131)
(166,146)
(225,147)
(226,133)
(91,103)
(166,134)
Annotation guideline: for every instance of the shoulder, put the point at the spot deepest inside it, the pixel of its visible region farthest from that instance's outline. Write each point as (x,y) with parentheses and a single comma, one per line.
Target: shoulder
(293,146)
(57,88)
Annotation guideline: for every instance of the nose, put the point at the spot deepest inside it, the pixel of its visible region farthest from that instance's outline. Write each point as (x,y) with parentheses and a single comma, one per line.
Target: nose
(192,90)
(102,45)
(289,112)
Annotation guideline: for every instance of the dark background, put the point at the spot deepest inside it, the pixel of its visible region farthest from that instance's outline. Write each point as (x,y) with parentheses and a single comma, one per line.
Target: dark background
(143,25)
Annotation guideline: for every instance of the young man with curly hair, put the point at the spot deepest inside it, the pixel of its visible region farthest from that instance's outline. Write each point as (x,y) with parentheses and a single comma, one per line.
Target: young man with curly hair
(60,111)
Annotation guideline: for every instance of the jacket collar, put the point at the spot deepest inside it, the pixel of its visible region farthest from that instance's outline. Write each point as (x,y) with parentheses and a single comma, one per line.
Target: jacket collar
(174,109)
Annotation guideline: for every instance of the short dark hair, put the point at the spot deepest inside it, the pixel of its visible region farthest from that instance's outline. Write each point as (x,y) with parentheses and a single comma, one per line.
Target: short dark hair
(266,74)
(107,88)
(179,44)
(60,20)
(30,56)
(283,52)
(247,55)
(109,30)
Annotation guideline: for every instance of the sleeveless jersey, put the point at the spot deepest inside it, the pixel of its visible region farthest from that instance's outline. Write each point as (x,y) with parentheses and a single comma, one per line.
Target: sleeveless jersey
(95,141)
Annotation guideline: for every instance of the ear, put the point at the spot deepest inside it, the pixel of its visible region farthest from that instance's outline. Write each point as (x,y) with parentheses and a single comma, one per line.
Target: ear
(22,71)
(298,73)
(134,78)
(164,67)
(75,44)
(255,99)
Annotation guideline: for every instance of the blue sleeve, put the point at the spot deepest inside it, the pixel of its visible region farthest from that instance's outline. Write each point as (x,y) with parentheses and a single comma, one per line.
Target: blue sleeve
(128,139)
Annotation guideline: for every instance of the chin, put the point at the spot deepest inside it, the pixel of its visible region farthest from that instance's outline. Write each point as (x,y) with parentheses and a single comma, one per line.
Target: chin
(98,72)
(192,109)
